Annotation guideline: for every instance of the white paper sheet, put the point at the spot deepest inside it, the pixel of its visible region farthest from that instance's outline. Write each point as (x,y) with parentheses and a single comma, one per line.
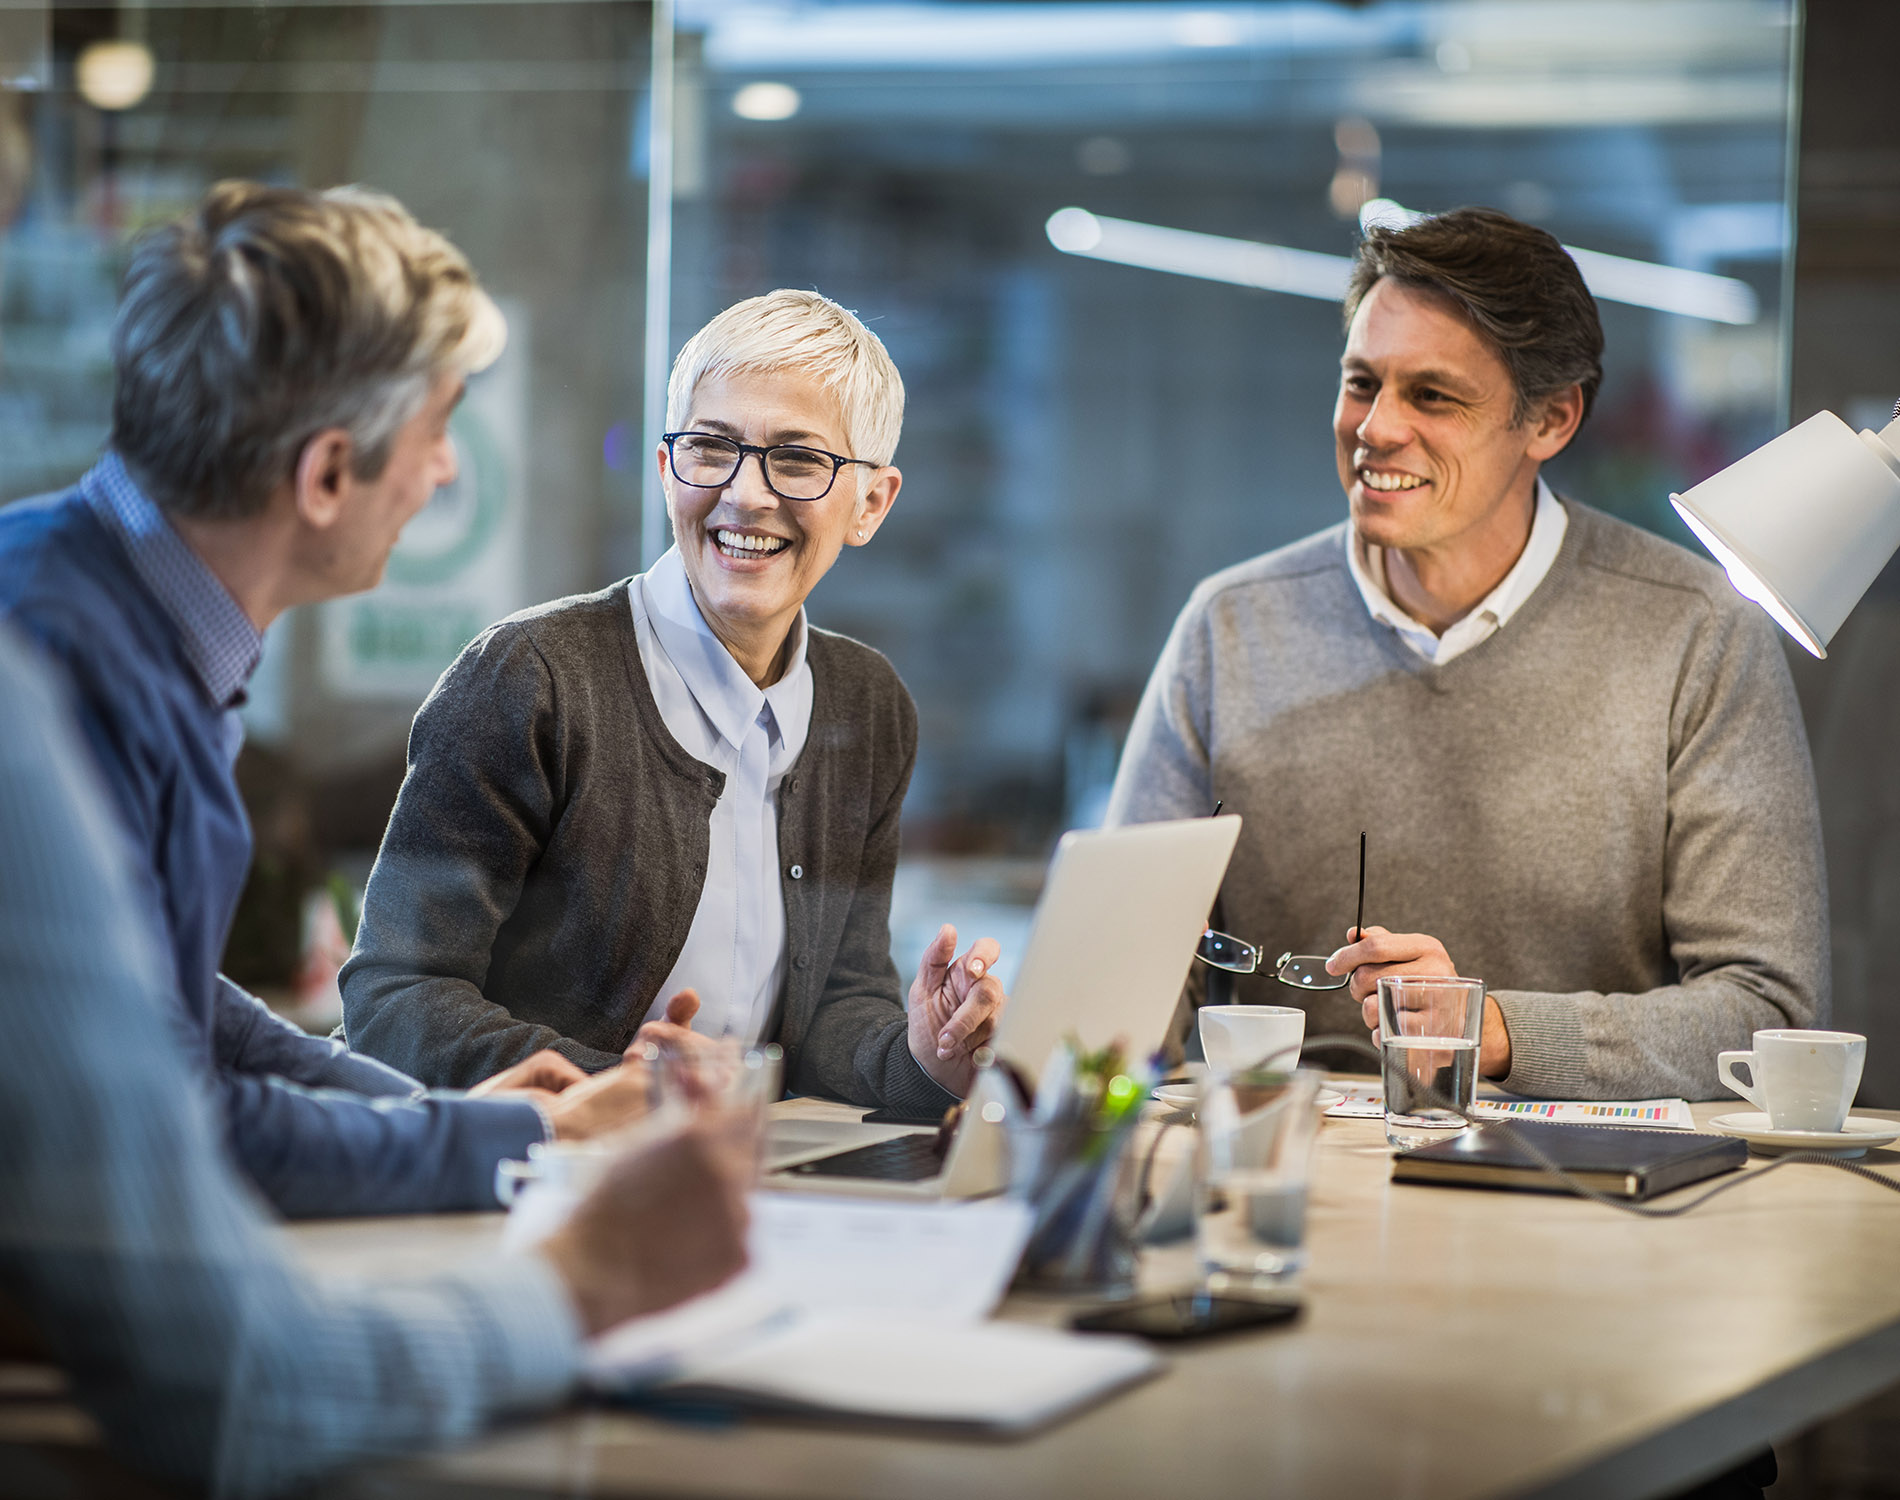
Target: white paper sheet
(1001,1377)
(942,1262)
(919,1263)
(1366,1101)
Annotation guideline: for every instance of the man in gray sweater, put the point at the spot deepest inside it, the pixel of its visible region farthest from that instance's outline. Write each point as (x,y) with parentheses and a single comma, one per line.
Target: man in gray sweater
(1576,750)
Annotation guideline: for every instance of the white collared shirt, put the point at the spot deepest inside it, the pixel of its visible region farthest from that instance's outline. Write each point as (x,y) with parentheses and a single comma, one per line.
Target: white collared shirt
(1492,613)
(735,952)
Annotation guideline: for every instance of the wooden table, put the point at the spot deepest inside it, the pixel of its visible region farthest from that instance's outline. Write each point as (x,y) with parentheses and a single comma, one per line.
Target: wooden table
(1457,1343)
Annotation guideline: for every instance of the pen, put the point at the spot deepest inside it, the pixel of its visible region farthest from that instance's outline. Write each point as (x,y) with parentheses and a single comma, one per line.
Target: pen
(1359,923)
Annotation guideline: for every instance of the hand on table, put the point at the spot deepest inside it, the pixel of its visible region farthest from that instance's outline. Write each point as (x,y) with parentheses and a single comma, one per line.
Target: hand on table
(667,1222)
(1375,952)
(579,1105)
(610,1099)
(954,1005)
(545,1072)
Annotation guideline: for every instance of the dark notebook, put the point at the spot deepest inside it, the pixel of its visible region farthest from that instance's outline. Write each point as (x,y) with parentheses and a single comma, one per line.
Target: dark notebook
(1625,1163)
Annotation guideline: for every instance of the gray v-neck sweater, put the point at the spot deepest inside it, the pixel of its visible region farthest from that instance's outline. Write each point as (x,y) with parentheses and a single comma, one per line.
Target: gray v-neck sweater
(1606,811)
(546,854)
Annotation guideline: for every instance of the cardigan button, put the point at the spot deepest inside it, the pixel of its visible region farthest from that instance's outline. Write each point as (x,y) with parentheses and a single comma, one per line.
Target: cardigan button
(797,872)
(801,962)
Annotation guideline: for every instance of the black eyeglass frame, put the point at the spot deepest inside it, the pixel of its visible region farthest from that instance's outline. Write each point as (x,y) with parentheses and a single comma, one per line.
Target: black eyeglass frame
(1220,950)
(838,461)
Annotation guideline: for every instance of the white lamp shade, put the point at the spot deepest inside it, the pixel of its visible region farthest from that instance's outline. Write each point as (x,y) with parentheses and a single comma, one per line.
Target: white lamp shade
(1805,523)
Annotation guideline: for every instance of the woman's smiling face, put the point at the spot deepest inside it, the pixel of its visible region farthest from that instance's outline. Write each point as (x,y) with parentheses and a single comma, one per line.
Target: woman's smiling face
(752,556)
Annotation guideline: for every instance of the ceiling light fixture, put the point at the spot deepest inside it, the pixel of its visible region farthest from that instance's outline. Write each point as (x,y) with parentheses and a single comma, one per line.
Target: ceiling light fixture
(1617,278)
(766,101)
(115,75)
(1212,257)
(1309,273)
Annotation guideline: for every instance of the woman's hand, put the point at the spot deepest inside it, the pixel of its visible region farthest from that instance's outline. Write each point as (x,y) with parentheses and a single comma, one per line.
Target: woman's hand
(674,1029)
(546,1072)
(954,1004)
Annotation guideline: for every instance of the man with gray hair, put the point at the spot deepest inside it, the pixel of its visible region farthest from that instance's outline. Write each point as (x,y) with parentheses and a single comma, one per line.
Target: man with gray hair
(286,363)
(1577,751)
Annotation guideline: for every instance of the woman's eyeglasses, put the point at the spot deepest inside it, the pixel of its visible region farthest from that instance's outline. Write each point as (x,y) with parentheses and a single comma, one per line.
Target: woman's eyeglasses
(1300,971)
(708,462)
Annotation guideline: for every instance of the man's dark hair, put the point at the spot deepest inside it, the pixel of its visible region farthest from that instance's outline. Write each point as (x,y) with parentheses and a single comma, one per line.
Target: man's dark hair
(271,314)
(1512,282)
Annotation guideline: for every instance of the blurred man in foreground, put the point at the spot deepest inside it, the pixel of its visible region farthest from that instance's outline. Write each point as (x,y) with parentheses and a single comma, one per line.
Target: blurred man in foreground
(285,367)
(130,1247)
(1576,748)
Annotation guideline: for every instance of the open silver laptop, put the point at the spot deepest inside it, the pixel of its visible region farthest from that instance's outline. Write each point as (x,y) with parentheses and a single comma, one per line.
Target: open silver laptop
(1109,948)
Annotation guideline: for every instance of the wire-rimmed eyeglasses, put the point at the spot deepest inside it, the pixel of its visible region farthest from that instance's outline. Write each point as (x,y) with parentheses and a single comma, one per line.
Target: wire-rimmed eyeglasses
(1300,971)
(792,471)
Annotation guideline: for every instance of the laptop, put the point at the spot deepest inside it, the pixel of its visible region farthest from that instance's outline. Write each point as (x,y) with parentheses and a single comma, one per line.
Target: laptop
(1108,951)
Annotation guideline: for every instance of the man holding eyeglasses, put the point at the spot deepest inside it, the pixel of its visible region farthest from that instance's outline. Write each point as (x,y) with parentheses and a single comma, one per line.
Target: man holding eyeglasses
(672,806)
(1576,751)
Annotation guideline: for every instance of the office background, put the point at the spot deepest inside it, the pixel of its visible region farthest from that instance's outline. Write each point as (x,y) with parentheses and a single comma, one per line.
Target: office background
(1084,441)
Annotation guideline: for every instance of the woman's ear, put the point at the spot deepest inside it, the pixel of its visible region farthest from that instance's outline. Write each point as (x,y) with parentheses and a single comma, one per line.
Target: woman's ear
(874,505)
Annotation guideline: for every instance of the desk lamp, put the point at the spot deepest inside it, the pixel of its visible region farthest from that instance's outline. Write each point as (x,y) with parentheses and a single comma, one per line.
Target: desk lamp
(1805,523)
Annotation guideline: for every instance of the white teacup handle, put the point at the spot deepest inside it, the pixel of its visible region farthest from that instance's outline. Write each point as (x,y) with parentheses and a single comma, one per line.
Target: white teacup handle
(1725,1070)
(512,1179)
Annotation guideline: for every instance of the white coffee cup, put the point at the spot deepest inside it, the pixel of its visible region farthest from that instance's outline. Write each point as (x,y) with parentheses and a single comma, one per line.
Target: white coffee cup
(1240,1036)
(572,1166)
(1802,1080)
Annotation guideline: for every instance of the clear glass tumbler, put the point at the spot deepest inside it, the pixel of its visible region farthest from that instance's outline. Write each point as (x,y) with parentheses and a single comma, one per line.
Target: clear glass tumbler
(1428,1032)
(718,1080)
(1254,1161)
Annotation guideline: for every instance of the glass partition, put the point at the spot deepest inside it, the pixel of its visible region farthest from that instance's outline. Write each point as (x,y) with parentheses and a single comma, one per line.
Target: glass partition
(917,162)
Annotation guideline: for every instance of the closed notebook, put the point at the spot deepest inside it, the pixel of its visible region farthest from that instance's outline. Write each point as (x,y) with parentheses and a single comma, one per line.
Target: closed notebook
(1634,1164)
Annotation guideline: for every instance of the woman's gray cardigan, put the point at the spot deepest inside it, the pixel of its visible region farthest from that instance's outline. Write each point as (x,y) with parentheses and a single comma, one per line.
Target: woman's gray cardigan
(547,851)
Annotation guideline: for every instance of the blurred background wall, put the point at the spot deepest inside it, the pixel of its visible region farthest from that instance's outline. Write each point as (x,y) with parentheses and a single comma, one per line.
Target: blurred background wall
(1085,440)
(1845,357)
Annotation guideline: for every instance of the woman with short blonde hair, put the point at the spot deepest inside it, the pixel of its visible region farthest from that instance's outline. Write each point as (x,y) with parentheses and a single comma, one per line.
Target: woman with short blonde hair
(675,802)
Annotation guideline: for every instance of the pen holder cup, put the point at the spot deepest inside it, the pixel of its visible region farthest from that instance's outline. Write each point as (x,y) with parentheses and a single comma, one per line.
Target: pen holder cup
(1083,1188)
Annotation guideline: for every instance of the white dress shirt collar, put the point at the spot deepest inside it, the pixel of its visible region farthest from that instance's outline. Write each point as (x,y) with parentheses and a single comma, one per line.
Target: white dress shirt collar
(719,685)
(736,948)
(1492,613)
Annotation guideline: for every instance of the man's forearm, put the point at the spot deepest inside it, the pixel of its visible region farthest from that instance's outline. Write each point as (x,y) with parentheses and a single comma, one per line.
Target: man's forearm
(251,1039)
(1654,1043)
(321,1152)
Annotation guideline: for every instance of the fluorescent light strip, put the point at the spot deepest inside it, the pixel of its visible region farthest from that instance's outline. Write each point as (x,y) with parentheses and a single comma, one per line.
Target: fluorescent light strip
(1616,278)
(1307,273)
(1213,257)
(1670,289)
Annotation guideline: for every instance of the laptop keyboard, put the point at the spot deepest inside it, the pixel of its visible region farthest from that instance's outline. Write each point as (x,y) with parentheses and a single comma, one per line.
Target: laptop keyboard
(903,1158)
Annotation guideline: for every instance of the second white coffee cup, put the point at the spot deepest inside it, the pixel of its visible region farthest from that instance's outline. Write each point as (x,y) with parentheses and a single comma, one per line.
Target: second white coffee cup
(1802,1080)
(1242,1036)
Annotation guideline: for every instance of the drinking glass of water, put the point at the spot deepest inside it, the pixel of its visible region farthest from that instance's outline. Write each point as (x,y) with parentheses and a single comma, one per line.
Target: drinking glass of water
(1257,1127)
(1428,1031)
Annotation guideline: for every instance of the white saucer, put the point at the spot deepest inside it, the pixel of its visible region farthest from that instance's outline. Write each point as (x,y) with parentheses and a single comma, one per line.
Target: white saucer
(1860,1133)
(1181,1096)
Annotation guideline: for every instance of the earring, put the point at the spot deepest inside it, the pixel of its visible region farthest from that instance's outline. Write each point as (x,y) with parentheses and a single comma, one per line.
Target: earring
(860,533)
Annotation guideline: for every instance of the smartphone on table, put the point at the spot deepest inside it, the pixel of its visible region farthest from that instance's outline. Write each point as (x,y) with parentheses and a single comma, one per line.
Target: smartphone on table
(1191,1314)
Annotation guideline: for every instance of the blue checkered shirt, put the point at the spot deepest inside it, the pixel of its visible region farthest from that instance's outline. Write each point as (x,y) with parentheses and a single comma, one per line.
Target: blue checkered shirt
(210,1357)
(219,640)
